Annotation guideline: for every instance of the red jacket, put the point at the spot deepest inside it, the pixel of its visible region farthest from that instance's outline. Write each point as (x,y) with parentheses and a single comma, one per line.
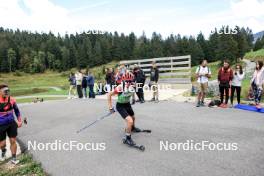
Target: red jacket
(225,75)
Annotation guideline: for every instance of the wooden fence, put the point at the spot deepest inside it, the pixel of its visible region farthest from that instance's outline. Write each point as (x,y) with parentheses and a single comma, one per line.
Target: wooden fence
(175,70)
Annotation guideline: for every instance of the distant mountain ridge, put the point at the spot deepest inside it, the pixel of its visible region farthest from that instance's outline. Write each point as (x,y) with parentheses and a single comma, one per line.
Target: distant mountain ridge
(258,35)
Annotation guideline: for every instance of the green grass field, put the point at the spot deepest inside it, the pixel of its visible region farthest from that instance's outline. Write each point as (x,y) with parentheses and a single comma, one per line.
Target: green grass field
(48,83)
(255,55)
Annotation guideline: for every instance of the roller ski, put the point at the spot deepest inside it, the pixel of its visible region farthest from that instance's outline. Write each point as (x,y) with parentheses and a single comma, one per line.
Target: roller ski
(128,141)
(138,130)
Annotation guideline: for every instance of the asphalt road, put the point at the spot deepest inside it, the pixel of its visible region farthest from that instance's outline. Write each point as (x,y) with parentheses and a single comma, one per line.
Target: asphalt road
(169,121)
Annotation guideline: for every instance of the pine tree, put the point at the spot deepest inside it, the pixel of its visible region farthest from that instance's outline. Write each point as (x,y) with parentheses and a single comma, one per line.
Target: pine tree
(204,45)
(227,48)
(11,55)
(156,45)
(97,54)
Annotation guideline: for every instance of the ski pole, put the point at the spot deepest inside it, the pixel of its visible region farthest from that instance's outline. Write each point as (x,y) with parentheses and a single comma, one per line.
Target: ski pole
(94,122)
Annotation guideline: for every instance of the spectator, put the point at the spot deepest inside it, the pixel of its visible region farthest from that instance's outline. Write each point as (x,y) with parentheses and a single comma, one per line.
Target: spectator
(154,77)
(109,78)
(118,76)
(203,73)
(90,84)
(84,84)
(122,69)
(72,89)
(257,83)
(236,84)
(79,77)
(140,79)
(225,76)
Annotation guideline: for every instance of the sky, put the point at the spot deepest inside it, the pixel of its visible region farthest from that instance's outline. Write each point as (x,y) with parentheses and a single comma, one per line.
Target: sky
(166,17)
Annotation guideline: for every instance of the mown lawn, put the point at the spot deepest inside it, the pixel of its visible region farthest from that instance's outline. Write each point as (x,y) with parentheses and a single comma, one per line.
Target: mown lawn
(48,83)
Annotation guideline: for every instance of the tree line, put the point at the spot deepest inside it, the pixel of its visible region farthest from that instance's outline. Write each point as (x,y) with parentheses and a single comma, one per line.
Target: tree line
(37,52)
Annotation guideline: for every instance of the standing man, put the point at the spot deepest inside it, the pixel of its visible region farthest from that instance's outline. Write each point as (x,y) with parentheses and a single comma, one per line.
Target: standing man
(225,77)
(154,77)
(203,73)
(8,125)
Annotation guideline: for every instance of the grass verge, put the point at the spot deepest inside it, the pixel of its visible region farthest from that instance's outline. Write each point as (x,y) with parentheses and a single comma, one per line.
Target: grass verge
(26,167)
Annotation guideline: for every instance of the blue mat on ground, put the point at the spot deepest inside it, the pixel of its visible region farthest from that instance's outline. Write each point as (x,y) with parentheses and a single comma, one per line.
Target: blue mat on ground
(249,108)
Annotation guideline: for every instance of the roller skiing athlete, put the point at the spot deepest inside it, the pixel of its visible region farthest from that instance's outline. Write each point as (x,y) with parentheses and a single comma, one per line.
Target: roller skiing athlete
(123,106)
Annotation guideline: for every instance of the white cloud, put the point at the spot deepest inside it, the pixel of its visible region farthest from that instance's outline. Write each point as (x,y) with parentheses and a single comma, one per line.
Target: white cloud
(247,8)
(46,16)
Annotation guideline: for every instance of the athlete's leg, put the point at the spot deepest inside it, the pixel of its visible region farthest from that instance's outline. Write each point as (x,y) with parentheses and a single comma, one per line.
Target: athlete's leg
(134,119)
(3,144)
(129,123)
(13,146)
(3,149)
(3,141)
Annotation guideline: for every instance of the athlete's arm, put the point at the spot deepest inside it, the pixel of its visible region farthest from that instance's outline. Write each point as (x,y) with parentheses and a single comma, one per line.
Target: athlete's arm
(117,90)
(17,112)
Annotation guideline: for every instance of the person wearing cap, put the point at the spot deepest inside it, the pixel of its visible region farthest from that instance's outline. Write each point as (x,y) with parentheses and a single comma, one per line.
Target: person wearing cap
(8,124)
(123,106)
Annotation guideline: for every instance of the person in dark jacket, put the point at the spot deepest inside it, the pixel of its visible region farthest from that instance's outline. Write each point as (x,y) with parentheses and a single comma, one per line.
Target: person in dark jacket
(140,79)
(154,78)
(90,84)
(84,85)
(109,79)
(225,77)
(72,90)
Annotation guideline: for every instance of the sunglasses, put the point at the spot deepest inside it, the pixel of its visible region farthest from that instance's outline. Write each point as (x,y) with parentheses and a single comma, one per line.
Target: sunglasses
(6,91)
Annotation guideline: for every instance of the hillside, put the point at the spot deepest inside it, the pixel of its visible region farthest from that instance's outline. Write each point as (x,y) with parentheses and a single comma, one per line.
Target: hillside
(258,35)
(255,55)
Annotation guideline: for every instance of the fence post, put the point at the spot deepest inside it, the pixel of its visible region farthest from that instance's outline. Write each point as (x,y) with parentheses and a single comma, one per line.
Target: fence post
(171,64)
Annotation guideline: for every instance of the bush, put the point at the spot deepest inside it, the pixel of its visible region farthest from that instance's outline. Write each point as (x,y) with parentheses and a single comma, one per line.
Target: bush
(18,73)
